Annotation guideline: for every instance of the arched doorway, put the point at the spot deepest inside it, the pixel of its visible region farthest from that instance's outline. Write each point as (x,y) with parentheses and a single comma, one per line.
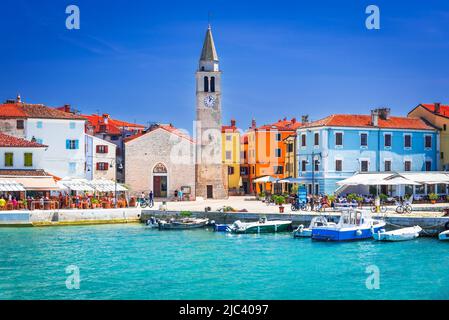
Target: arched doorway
(160,181)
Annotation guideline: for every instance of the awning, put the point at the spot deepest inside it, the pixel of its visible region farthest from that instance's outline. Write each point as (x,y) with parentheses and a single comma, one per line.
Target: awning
(292,180)
(76,185)
(45,183)
(426,177)
(107,186)
(367,179)
(265,179)
(397,181)
(10,185)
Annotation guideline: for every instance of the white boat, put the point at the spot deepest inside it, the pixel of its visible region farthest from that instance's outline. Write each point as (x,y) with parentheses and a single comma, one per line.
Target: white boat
(302,232)
(444,236)
(398,235)
(261,226)
(152,223)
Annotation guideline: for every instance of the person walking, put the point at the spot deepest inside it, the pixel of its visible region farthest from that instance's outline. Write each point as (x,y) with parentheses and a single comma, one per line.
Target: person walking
(151,198)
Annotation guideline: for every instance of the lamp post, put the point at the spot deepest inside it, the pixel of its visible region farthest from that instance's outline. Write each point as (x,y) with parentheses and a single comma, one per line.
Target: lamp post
(120,166)
(313,154)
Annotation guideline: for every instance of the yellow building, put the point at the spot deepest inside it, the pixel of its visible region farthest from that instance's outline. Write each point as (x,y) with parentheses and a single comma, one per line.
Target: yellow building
(291,163)
(438,116)
(231,156)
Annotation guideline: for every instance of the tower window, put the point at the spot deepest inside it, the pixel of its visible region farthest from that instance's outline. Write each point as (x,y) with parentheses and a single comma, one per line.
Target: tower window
(206,84)
(212,84)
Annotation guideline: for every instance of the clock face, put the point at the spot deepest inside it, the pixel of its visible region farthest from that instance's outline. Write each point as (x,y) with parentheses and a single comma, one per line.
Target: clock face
(209,101)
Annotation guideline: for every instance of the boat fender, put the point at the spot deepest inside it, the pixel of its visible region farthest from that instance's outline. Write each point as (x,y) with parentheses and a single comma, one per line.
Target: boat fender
(358,232)
(447,225)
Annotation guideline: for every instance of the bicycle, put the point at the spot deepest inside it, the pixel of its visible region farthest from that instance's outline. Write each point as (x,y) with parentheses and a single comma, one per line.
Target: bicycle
(382,209)
(403,207)
(300,206)
(146,203)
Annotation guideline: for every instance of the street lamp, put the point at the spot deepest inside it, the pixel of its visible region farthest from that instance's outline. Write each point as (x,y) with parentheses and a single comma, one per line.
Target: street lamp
(120,166)
(314,162)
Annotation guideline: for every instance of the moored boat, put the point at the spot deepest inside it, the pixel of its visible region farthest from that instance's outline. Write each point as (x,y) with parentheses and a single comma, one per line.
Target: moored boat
(403,234)
(152,223)
(302,232)
(354,224)
(261,226)
(444,236)
(222,228)
(183,224)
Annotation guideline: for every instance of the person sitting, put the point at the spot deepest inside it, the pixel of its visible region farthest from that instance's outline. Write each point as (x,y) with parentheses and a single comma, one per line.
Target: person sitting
(2,203)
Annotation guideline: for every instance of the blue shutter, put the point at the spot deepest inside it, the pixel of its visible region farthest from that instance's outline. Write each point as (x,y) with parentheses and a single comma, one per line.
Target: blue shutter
(77,144)
(67,144)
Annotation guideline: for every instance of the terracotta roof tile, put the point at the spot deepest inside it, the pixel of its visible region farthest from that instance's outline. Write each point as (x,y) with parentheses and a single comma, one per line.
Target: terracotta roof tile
(282,125)
(168,128)
(23,110)
(28,173)
(364,121)
(111,126)
(14,142)
(444,109)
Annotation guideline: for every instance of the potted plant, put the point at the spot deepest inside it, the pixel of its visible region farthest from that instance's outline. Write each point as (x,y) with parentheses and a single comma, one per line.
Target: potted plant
(280,200)
(262,196)
(383,197)
(433,197)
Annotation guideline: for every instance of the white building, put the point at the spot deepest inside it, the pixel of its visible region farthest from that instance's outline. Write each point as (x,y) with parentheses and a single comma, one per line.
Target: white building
(100,159)
(62,132)
(19,155)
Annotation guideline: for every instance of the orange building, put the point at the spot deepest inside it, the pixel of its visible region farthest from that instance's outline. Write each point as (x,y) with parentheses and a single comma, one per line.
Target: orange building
(266,152)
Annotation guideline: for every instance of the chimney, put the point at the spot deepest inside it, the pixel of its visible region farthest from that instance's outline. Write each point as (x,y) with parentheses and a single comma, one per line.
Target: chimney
(293,120)
(305,119)
(437,107)
(67,108)
(384,113)
(375,117)
(19,99)
(105,118)
(253,124)
(233,123)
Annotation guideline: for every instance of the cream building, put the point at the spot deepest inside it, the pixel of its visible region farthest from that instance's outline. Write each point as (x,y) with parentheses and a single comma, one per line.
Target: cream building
(100,159)
(161,160)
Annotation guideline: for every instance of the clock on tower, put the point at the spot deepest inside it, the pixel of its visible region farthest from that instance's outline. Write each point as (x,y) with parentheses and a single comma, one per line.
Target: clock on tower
(211,176)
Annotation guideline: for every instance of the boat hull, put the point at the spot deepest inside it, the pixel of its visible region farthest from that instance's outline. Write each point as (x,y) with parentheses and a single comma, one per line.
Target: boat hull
(222,228)
(182,225)
(398,235)
(269,228)
(304,233)
(344,234)
(444,236)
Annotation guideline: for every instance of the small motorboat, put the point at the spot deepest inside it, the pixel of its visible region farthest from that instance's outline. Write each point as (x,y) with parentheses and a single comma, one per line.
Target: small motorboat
(152,223)
(222,228)
(354,224)
(444,236)
(261,226)
(302,232)
(403,234)
(183,224)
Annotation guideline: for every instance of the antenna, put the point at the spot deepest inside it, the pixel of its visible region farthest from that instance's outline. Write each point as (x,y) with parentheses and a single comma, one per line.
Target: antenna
(209,17)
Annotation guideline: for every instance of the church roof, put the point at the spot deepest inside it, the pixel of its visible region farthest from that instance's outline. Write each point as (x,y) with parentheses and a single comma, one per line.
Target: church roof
(209,53)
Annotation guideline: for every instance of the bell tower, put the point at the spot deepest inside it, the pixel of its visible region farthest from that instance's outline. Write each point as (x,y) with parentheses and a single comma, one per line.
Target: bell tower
(211,176)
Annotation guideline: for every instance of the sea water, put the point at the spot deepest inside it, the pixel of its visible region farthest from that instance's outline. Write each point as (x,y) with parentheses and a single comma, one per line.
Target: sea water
(132,262)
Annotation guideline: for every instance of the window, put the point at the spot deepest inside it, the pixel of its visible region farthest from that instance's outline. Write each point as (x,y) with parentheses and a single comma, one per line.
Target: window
(228,155)
(230,170)
(278,170)
(317,165)
(20,124)
(407,165)
(290,147)
(444,127)
(303,165)
(102,128)
(407,141)
(303,140)
(244,171)
(72,167)
(39,124)
(278,137)
(102,166)
(316,139)
(206,84)
(102,149)
(387,165)
(40,141)
(428,165)
(339,139)
(278,153)
(212,84)
(228,137)
(387,140)
(72,125)
(72,144)
(338,165)
(442,155)
(364,166)
(428,142)
(28,159)
(9,159)
(363,139)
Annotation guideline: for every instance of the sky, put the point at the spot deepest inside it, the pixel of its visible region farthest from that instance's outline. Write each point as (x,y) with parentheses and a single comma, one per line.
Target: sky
(136,60)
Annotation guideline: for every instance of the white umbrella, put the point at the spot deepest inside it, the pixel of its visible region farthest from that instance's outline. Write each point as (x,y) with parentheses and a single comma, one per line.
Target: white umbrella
(400,181)
(291,180)
(265,179)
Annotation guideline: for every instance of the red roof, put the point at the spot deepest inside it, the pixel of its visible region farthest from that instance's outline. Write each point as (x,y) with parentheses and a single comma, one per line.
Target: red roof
(14,142)
(104,124)
(168,128)
(282,125)
(364,121)
(24,110)
(444,109)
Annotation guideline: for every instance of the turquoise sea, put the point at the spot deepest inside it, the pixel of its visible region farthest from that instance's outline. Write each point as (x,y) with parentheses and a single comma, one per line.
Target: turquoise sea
(131,262)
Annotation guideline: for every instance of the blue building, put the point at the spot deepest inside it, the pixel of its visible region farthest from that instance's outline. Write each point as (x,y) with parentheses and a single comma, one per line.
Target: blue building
(335,148)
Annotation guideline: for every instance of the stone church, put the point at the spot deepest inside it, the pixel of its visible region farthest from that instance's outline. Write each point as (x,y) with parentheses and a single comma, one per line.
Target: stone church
(164,159)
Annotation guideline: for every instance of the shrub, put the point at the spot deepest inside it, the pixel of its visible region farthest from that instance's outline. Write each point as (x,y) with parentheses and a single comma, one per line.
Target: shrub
(331,197)
(383,197)
(185,214)
(279,200)
(351,197)
(433,196)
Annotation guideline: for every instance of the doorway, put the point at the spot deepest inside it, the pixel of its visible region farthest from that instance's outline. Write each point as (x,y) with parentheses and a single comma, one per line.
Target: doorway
(160,186)
(210,192)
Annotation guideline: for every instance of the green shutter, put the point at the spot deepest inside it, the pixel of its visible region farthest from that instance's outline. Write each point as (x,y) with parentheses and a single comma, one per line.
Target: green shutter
(28,159)
(9,159)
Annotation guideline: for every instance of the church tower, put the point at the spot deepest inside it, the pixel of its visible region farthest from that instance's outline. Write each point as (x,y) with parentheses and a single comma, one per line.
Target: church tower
(211,176)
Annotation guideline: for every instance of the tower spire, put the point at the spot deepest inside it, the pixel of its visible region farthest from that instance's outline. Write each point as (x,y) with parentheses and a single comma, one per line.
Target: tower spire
(209,52)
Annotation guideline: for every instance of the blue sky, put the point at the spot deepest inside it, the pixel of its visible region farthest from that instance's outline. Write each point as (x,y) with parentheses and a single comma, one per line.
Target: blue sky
(136,59)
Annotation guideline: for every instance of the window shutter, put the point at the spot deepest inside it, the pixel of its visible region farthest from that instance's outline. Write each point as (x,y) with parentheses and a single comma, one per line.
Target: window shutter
(106,149)
(97,149)
(98,165)
(77,144)
(67,144)
(106,166)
